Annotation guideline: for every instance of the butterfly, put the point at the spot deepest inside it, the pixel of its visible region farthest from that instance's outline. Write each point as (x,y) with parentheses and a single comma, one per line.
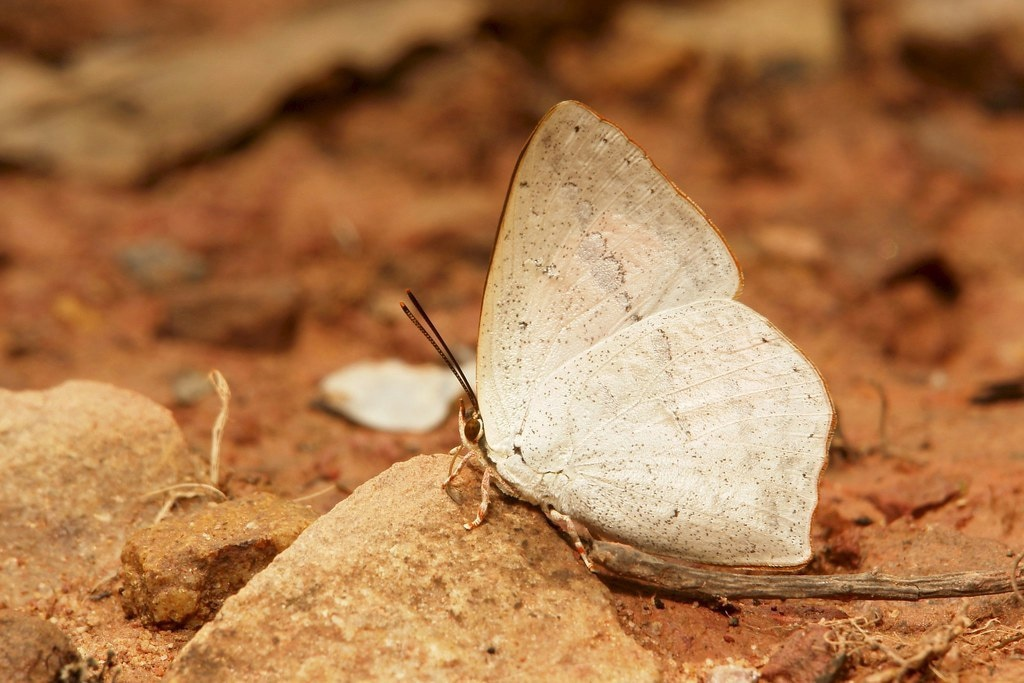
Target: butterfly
(620,386)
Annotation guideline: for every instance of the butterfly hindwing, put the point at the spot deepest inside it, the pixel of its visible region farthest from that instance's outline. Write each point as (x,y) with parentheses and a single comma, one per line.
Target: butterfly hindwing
(699,433)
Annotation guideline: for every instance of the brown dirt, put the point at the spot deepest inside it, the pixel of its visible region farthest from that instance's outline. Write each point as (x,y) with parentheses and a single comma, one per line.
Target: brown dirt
(877,218)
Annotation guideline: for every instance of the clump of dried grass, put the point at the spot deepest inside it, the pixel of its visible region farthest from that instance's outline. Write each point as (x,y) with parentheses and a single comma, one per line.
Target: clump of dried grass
(894,657)
(186,490)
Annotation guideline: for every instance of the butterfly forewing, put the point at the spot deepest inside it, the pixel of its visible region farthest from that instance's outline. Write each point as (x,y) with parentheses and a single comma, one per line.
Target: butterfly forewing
(593,239)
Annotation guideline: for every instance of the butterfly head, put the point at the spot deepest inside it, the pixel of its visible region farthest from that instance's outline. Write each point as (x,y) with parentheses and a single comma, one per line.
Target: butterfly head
(471,427)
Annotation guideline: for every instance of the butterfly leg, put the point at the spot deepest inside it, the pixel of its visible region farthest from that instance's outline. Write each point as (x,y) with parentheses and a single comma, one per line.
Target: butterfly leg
(485,484)
(565,523)
(485,500)
(454,468)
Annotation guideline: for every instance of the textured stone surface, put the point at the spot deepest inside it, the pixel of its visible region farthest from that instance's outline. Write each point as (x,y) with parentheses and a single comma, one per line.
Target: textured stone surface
(914,496)
(388,586)
(76,463)
(117,117)
(806,657)
(647,41)
(32,649)
(180,571)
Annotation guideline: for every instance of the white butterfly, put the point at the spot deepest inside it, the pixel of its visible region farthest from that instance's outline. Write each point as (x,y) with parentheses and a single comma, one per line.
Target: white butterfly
(621,387)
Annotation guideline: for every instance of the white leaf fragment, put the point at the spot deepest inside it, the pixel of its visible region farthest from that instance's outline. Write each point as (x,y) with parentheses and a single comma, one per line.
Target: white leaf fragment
(391,395)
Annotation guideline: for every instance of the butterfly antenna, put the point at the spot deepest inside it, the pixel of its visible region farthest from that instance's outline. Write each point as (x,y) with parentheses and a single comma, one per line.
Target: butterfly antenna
(437,341)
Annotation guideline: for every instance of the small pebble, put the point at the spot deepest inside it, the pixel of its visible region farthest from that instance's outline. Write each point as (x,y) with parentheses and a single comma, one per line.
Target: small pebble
(158,264)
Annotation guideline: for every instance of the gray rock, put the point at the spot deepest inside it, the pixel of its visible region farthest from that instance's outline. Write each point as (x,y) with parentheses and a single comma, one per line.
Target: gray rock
(388,585)
(258,314)
(158,264)
(76,462)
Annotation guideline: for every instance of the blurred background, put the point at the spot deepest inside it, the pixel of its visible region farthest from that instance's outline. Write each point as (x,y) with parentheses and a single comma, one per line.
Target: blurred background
(252,186)
(197,184)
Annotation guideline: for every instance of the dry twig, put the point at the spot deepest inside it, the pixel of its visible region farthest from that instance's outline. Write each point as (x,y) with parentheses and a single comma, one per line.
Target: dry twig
(217,434)
(1013,578)
(316,494)
(689,583)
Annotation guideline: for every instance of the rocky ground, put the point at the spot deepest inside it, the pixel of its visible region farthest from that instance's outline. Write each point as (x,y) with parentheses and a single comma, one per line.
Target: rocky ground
(252,190)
